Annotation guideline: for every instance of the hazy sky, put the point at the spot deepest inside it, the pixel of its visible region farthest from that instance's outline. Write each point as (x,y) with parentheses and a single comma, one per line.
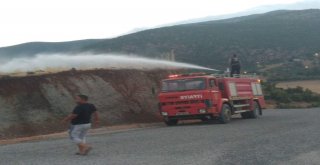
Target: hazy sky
(61,20)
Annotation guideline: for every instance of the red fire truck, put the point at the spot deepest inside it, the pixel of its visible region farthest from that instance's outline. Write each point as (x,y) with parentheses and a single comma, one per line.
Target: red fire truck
(207,97)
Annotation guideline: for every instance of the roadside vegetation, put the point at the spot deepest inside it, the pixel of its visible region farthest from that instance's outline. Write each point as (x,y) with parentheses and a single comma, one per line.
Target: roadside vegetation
(291,97)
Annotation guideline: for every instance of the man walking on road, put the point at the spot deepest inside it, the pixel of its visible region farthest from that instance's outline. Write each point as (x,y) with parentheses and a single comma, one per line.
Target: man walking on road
(80,120)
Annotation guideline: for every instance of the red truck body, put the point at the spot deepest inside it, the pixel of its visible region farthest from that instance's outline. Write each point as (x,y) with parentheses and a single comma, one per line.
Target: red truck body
(206,97)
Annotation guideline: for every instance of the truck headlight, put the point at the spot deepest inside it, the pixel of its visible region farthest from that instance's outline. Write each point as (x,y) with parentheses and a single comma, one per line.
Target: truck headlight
(202,111)
(164,113)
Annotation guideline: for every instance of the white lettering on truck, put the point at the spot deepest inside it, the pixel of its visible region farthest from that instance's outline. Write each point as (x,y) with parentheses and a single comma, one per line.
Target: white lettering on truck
(191,97)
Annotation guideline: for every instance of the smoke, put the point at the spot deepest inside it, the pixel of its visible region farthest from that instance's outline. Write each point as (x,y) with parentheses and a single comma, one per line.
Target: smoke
(59,62)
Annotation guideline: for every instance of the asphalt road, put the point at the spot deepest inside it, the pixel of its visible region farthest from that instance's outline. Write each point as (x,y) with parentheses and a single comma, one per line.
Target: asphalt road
(279,137)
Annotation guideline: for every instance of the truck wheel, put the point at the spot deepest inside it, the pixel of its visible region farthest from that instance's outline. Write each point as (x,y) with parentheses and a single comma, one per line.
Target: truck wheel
(171,122)
(225,116)
(256,110)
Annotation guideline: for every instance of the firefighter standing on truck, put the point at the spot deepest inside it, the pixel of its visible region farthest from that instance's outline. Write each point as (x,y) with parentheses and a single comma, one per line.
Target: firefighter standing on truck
(235,65)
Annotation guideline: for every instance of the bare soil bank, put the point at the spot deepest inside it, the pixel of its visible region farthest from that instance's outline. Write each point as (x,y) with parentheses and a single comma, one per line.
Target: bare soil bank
(34,105)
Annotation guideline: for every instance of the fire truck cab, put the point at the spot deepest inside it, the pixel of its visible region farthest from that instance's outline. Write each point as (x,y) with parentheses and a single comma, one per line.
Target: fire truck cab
(207,97)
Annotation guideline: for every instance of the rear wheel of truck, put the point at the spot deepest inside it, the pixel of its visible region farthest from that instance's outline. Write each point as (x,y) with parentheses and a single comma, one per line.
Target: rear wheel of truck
(225,115)
(171,122)
(255,112)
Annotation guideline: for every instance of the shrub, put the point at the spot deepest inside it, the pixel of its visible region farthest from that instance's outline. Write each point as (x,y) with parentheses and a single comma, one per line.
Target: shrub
(284,97)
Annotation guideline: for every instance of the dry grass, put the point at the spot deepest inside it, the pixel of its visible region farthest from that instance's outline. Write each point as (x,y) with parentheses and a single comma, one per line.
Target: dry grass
(313,85)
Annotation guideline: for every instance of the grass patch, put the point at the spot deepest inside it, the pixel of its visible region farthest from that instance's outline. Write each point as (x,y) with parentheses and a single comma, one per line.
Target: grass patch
(297,97)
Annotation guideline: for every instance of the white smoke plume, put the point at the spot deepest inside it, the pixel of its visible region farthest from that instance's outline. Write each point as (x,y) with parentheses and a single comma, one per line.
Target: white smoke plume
(61,62)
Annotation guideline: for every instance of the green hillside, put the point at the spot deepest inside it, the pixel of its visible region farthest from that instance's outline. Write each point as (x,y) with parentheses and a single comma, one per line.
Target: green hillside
(287,38)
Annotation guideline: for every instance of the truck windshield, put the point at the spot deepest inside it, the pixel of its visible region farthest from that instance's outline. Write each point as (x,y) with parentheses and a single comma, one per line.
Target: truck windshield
(183,85)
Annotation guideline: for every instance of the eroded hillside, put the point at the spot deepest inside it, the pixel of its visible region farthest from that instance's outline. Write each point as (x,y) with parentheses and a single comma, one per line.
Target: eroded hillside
(35,104)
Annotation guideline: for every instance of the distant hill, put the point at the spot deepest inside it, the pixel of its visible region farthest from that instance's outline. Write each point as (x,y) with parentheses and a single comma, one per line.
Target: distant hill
(287,38)
(33,48)
(301,5)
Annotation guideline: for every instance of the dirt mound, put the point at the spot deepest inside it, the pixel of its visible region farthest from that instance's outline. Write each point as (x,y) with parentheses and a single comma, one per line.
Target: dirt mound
(35,105)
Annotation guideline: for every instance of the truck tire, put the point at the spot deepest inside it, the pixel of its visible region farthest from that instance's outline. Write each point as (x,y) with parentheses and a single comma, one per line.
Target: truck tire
(255,112)
(171,122)
(225,115)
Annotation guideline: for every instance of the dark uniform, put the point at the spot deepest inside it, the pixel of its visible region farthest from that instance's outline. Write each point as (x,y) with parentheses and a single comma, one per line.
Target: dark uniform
(235,65)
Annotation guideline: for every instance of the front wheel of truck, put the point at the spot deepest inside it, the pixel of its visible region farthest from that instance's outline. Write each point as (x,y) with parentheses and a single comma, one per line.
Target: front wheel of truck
(171,122)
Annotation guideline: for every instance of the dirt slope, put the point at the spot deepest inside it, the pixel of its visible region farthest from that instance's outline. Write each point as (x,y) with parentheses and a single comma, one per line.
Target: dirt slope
(35,104)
